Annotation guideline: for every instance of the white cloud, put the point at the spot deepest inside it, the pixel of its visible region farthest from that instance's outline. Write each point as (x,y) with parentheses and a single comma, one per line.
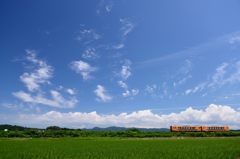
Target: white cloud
(183,73)
(41,73)
(127,93)
(233,77)
(212,115)
(182,81)
(105,6)
(87,36)
(197,88)
(26,97)
(56,100)
(70,91)
(33,80)
(83,68)
(158,91)
(134,92)
(109,7)
(234,39)
(125,72)
(151,89)
(102,95)
(225,74)
(127,26)
(89,54)
(118,46)
(122,84)
(217,78)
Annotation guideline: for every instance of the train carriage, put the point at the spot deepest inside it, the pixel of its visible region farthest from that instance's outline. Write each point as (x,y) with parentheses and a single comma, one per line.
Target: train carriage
(187,128)
(215,128)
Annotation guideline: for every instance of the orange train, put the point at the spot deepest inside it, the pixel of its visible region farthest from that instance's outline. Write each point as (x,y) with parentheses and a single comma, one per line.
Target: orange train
(177,128)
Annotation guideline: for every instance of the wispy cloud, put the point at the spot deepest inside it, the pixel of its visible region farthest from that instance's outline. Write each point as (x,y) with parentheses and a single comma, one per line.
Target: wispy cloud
(127,92)
(183,73)
(70,91)
(87,36)
(218,76)
(40,74)
(83,68)
(105,6)
(196,89)
(211,115)
(56,100)
(195,51)
(90,54)
(151,89)
(127,26)
(235,38)
(102,94)
(125,72)
(118,46)
(158,90)
(225,74)
(182,81)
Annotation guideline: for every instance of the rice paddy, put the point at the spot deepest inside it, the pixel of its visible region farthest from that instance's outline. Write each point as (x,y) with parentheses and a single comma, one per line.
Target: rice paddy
(117,148)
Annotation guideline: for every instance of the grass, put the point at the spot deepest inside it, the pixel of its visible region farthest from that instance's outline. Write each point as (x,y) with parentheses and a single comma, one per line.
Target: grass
(116,148)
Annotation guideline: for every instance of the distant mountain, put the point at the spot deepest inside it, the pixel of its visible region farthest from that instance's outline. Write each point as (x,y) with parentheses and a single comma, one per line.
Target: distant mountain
(112,128)
(12,127)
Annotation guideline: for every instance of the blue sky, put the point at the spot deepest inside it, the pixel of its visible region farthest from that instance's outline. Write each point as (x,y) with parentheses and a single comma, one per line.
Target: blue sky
(119,63)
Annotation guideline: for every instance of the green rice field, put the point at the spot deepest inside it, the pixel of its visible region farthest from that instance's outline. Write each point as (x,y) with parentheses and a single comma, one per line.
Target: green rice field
(117,148)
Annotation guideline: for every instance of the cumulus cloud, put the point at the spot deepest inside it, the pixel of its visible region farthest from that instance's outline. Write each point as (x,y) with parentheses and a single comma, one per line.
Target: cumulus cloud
(211,115)
(83,68)
(126,26)
(41,73)
(102,94)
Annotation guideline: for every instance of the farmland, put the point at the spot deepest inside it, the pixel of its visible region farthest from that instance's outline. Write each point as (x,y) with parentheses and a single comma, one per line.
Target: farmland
(124,148)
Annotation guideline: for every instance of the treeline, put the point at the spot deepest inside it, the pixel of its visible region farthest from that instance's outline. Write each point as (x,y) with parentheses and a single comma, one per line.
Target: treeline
(57,132)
